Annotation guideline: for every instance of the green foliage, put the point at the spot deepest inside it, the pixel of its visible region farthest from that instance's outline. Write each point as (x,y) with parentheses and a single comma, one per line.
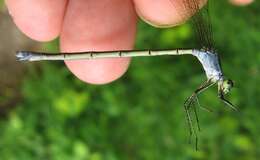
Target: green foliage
(141,115)
(1,3)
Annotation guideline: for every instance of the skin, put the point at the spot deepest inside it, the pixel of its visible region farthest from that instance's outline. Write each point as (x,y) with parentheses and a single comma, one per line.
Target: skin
(241,2)
(91,25)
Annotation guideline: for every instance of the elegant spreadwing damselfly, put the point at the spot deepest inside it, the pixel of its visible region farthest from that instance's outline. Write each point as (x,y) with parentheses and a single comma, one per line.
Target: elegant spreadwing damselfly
(206,54)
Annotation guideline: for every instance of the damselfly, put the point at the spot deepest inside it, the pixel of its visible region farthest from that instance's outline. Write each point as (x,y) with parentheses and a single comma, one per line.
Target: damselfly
(207,56)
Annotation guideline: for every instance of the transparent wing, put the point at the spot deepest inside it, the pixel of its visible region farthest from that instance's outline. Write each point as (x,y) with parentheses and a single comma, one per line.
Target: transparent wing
(200,20)
(202,24)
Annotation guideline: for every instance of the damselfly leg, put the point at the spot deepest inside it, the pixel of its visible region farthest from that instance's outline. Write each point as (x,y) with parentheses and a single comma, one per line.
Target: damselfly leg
(222,98)
(190,104)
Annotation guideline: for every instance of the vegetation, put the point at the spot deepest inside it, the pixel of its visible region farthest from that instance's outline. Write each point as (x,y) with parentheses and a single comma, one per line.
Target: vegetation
(141,115)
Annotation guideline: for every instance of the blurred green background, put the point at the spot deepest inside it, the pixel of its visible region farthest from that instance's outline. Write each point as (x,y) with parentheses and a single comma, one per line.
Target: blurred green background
(49,114)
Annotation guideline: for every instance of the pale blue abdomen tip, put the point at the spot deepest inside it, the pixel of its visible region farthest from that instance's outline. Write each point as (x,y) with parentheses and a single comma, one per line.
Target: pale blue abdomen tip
(23,56)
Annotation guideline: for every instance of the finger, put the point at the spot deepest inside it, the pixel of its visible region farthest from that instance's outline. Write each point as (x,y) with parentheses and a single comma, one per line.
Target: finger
(97,26)
(241,2)
(163,13)
(40,20)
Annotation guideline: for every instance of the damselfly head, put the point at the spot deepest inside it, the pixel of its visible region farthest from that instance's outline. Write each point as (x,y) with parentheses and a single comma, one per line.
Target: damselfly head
(227,85)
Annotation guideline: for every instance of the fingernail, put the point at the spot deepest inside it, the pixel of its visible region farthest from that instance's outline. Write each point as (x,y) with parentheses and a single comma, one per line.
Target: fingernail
(153,23)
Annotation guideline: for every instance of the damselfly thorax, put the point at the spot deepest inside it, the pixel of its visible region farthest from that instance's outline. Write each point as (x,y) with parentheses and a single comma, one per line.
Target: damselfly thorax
(211,64)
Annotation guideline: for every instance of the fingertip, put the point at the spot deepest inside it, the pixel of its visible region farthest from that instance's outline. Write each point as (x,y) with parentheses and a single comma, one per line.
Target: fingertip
(157,13)
(98,28)
(41,33)
(241,2)
(100,71)
(40,20)
(161,13)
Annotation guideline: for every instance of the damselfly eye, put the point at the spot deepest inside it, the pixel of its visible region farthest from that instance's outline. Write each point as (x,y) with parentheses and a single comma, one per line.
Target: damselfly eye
(230,82)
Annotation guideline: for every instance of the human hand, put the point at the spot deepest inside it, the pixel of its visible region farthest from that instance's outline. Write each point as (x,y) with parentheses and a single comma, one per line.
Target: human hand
(92,25)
